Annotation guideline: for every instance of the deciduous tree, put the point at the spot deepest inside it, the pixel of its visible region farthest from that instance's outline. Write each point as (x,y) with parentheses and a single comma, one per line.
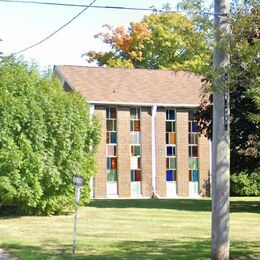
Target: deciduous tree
(46,136)
(160,41)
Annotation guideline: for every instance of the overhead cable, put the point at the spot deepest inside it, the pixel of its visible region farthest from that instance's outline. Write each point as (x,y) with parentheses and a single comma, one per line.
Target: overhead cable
(80,5)
(56,31)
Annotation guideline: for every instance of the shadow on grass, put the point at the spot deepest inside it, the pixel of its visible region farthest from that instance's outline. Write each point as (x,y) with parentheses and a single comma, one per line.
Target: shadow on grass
(175,204)
(250,206)
(160,249)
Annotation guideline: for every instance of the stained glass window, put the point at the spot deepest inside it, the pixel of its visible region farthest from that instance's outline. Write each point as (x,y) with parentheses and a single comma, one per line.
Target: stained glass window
(170,145)
(193,147)
(135,150)
(111,144)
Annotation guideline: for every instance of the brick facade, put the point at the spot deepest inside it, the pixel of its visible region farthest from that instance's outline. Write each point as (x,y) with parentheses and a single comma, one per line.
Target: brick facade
(182,152)
(100,180)
(160,153)
(123,153)
(146,145)
(123,148)
(204,166)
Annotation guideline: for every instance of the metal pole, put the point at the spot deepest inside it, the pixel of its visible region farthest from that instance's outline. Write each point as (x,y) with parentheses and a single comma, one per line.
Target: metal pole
(75,219)
(221,140)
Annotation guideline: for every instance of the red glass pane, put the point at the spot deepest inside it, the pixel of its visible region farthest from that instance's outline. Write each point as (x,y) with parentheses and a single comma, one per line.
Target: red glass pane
(113,163)
(137,175)
(108,141)
(137,126)
(132,150)
(112,112)
(195,151)
(190,175)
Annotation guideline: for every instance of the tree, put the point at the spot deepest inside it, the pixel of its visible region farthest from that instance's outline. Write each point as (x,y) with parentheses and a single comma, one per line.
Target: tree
(0,51)
(46,135)
(160,41)
(244,83)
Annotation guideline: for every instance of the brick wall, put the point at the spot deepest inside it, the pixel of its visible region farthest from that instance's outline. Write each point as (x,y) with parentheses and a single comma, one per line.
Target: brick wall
(204,166)
(146,145)
(123,148)
(123,135)
(100,180)
(160,153)
(182,152)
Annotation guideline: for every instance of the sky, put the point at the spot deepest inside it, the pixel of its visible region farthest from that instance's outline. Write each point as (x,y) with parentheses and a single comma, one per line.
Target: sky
(22,25)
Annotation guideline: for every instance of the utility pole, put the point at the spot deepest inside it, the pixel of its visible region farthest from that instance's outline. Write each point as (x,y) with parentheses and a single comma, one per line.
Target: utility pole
(221,140)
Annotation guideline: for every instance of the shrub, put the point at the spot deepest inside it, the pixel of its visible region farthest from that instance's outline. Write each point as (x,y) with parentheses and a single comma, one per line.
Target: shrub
(245,184)
(46,135)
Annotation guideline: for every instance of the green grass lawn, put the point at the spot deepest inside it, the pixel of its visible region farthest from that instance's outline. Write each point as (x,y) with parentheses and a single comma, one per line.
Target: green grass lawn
(133,229)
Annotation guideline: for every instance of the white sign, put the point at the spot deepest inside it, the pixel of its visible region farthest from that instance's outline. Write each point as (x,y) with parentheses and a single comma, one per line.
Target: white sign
(78,180)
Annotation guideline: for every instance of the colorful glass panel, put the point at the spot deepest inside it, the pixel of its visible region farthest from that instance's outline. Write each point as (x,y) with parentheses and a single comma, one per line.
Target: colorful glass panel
(170,114)
(111,150)
(195,175)
(137,126)
(111,175)
(169,175)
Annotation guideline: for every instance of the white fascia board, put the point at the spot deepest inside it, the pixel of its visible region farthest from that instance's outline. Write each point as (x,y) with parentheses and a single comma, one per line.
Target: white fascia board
(64,79)
(142,104)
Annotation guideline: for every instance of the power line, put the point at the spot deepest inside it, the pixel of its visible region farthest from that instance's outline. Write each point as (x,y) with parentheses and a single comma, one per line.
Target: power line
(91,5)
(153,9)
(56,31)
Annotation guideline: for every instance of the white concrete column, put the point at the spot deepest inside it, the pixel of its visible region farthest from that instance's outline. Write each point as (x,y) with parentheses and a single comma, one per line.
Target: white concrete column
(91,182)
(154,110)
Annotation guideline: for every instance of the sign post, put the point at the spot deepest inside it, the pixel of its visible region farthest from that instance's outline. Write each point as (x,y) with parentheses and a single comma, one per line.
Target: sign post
(78,182)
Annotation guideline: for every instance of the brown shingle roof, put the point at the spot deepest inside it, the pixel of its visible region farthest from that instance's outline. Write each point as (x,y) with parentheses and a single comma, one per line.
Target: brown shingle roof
(112,85)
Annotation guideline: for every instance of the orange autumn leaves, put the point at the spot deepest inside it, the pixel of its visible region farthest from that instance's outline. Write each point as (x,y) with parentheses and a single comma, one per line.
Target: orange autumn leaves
(130,43)
(165,41)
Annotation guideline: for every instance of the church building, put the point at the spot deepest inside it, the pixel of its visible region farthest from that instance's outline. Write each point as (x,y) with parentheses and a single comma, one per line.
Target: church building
(150,145)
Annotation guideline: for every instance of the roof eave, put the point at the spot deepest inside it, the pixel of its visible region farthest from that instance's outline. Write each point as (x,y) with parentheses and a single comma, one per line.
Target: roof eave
(61,75)
(92,102)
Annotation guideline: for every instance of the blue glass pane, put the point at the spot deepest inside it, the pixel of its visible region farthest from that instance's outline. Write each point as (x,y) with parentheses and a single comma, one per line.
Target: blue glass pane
(169,150)
(195,175)
(194,127)
(108,163)
(170,114)
(113,138)
(169,175)
(132,175)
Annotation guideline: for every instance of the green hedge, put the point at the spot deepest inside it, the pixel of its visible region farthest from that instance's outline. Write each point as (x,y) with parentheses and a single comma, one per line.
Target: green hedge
(46,135)
(245,184)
